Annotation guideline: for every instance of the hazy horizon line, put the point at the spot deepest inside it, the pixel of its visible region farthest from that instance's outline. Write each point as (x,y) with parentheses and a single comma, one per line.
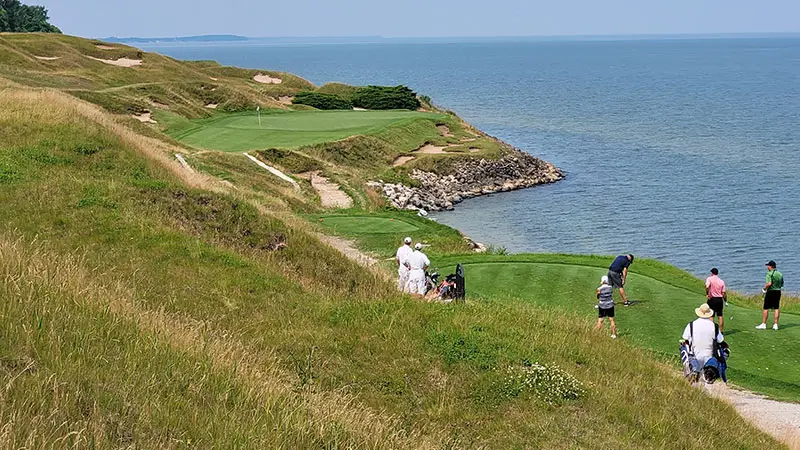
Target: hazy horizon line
(534,36)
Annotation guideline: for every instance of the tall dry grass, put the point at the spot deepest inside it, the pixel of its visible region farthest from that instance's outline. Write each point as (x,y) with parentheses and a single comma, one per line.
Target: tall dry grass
(35,279)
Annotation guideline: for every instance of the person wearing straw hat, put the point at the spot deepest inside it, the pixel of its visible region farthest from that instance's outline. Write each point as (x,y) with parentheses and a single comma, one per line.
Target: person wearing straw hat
(701,334)
(402,263)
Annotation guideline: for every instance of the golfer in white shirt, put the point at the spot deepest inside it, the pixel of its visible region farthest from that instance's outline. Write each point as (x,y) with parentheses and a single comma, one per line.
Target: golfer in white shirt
(417,263)
(402,263)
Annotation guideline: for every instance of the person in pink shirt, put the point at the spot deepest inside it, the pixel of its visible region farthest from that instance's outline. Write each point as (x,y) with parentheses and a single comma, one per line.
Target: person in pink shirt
(716,295)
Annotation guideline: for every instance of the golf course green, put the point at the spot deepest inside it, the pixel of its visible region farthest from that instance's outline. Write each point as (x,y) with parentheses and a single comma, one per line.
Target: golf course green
(367,225)
(664,299)
(283,129)
(761,360)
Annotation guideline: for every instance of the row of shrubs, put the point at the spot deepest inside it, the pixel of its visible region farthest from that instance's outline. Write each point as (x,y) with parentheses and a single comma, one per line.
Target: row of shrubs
(367,97)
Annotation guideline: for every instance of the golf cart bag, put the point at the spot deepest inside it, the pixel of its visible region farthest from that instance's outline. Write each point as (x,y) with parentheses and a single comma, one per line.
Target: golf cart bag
(691,366)
(715,367)
(431,280)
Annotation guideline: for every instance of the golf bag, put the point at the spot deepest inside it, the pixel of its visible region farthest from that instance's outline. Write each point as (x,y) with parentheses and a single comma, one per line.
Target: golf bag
(450,289)
(691,366)
(431,280)
(460,288)
(715,367)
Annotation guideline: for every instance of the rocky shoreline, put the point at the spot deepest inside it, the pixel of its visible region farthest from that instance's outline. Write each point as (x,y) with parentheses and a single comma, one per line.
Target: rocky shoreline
(471,177)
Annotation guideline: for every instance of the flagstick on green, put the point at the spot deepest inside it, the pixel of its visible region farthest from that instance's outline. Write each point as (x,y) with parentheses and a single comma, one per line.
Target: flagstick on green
(258,110)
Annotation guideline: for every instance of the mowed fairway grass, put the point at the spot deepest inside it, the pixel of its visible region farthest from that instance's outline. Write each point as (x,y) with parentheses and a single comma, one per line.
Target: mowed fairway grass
(765,361)
(665,297)
(285,129)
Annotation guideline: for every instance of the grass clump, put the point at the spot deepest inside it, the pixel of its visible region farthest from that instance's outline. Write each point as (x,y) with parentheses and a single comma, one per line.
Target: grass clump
(548,382)
(289,160)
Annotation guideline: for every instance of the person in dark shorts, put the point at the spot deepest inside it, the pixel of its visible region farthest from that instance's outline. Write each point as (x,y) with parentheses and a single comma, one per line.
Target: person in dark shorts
(618,272)
(716,295)
(772,295)
(605,303)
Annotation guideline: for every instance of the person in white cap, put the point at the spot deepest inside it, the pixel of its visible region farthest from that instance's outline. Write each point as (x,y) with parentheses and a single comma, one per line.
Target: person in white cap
(402,263)
(605,305)
(701,334)
(417,263)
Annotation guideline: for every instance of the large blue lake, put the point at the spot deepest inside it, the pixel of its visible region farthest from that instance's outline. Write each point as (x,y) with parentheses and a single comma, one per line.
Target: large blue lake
(683,150)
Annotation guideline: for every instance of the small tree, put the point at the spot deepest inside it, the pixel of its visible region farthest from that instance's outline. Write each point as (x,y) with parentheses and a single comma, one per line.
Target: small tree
(18,18)
(385,97)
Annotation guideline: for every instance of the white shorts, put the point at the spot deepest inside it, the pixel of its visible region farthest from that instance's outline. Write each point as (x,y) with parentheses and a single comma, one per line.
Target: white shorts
(402,278)
(416,282)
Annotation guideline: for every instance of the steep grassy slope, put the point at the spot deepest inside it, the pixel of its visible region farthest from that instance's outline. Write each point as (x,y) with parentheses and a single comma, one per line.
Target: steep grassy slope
(160,82)
(147,306)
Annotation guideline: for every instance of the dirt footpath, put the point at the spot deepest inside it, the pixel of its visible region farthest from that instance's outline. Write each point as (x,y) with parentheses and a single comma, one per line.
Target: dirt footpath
(779,419)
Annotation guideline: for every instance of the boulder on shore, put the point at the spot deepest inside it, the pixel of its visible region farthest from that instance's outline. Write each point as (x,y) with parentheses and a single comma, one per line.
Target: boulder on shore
(471,177)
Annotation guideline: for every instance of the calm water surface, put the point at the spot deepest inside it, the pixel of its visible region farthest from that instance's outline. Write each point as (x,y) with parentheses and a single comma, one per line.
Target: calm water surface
(683,150)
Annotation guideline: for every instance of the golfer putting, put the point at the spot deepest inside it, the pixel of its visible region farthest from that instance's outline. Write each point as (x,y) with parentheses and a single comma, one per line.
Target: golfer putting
(617,274)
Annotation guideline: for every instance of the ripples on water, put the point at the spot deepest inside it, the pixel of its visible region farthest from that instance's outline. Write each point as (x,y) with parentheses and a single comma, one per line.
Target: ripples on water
(683,150)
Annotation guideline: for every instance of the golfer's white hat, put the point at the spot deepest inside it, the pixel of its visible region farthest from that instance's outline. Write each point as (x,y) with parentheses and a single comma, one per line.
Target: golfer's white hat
(418,246)
(407,240)
(604,279)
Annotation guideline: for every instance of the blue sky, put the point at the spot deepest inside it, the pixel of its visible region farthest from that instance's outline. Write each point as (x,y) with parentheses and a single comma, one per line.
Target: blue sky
(420,18)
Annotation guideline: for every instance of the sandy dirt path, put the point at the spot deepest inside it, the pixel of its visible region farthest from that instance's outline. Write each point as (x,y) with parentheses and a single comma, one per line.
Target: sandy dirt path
(779,419)
(273,170)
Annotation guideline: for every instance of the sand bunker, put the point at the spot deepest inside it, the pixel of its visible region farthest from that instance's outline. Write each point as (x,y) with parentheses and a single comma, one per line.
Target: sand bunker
(266,79)
(105,47)
(359,109)
(285,100)
(329,192)
(444,130)
(47,58)
(122,62)
(145,117)
(400,160)
(214,78)
(430,149)
(212,105)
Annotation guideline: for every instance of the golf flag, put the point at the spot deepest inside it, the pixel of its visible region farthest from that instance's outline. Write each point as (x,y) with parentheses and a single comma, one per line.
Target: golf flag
(258,110)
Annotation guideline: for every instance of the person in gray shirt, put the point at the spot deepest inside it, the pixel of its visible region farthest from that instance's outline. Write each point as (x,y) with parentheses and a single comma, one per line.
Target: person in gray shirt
(605,305)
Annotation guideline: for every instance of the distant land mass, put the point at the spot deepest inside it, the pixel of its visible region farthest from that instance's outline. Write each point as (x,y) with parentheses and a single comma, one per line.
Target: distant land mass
(203,38)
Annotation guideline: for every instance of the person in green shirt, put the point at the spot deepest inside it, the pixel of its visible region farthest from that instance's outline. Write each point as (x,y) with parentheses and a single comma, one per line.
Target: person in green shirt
(772,295)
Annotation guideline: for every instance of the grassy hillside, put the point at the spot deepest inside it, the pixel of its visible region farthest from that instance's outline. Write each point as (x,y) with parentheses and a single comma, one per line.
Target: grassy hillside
(144,305)
(665,297)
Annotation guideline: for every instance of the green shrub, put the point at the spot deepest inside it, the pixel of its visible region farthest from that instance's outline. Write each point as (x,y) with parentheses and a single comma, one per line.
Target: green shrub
(385,97)
(342,90)
(321,100)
